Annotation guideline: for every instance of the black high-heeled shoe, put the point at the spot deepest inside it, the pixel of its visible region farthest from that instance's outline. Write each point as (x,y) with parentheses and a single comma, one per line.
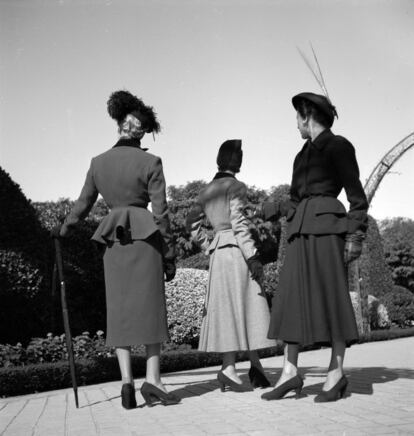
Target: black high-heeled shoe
(335,393)
(226,381)
(257,378)
(152,395)
(128,396)
(293,384)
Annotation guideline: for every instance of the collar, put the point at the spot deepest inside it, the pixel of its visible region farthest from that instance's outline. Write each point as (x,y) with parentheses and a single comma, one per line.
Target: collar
(322,139)
(222,174)
(129,142)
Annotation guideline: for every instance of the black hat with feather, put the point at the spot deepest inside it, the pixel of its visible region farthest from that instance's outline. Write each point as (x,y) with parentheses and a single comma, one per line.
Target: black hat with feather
(320,101)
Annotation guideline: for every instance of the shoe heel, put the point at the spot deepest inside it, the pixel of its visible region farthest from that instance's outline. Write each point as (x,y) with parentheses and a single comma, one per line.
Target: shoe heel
(342,392)
(128,396)
(147,398)
(222,386)
(298,391)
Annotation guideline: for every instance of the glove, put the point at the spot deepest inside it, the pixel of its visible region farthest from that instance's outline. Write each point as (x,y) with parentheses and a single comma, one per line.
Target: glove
(284,207)
(169,269)
(353,246)
(255,268)
(55,232)
(273,211)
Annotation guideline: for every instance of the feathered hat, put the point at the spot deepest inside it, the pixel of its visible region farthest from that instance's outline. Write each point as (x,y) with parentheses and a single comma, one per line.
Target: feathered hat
(122,103)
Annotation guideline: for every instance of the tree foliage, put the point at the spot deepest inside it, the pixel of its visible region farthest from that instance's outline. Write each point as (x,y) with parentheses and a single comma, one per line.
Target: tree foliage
(400,305)
(398,236)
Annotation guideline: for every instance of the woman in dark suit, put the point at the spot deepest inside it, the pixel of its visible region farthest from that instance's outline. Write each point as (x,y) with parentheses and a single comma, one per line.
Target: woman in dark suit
(138,243)
(312,304)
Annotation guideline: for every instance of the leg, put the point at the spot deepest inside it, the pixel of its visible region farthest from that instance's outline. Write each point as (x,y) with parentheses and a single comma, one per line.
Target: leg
(289,379)
(153,366)
(335,370)
(256,373)
(290,363)
(128,389)
(124,359)
(153,390)
(255,361)
(229,366)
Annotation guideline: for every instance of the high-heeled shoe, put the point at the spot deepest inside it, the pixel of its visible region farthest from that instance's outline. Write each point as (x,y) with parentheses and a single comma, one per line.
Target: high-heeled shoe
(293,384)
(152,395)
(335,393)
(226,381)
(128,396)
(257,378)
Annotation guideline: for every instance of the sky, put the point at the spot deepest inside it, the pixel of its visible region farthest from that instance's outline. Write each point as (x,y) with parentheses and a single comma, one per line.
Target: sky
(213,70)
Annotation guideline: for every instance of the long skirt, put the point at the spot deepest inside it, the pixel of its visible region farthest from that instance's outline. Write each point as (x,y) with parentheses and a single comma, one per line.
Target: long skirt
(312,303)
(135,295)
(236,313)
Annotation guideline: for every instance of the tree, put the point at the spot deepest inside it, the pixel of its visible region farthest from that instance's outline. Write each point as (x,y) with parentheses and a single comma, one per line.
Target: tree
(25,259)
(398,237)
(180,200)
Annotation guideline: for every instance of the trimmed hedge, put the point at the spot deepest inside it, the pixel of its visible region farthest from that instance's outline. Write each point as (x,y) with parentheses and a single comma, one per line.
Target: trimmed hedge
(25,257)
(185,299)
(20,380)
(400,305)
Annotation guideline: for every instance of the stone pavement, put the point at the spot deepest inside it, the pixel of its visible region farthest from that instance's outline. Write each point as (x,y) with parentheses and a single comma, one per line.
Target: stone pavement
(380,401)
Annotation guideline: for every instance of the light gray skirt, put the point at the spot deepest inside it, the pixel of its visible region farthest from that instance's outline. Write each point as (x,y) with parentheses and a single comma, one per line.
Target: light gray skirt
(236,315)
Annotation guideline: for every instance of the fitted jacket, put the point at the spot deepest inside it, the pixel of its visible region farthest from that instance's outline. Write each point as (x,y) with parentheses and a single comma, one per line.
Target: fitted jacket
(222,202)
(128,178)
(321,170)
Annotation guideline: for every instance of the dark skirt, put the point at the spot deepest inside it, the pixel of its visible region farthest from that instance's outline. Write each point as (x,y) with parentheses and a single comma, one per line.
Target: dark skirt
(312,303)
(135,295)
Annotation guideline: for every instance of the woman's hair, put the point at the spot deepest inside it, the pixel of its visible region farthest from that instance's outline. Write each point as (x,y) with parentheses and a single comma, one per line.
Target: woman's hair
(306,108)
(123,103)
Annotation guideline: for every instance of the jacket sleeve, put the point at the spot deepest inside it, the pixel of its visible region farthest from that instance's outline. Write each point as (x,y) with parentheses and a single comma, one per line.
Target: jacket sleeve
(158,198)
(346,168)
(83,204)
(273,211)
(194,225)
(239,223)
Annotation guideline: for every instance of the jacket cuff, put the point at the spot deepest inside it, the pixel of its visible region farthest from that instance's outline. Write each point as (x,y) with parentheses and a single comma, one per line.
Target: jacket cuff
(270,211)
(353,226)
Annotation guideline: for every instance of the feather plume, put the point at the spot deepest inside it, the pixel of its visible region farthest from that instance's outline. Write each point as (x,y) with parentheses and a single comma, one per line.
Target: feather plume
(317,74)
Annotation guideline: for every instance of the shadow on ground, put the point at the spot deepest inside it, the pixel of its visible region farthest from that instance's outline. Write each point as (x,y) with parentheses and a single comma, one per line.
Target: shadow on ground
(361,381)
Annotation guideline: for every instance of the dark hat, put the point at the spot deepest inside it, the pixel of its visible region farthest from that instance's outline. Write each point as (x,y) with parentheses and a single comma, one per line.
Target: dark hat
(230,155)
(121,103)
(320,101)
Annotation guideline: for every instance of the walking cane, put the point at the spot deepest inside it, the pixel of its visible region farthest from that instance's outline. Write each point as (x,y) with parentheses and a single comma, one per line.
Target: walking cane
(68,336)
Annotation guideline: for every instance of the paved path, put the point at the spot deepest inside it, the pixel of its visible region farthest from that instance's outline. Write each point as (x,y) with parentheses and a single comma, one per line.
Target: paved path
(380,401)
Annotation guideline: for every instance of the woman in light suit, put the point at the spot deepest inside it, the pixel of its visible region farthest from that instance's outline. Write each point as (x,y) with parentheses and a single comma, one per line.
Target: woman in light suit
(138,243)
(236,314)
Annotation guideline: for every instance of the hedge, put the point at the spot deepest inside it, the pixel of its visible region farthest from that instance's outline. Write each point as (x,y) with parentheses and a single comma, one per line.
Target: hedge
(400,304)
(20,380)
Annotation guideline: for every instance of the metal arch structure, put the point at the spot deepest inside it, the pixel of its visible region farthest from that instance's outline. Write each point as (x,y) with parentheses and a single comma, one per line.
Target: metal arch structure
(370,188)
(385,165)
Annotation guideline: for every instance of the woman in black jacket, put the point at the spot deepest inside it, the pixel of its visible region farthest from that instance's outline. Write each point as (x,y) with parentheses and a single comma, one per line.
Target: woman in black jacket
(313,304)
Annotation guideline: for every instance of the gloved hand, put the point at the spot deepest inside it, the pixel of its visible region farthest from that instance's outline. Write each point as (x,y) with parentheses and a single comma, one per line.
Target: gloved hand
(255,268)
(55,232)
(353,246)
(272,210)
(169,269)
(284,207)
